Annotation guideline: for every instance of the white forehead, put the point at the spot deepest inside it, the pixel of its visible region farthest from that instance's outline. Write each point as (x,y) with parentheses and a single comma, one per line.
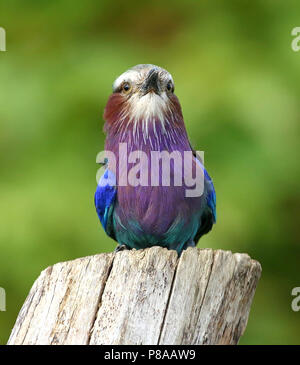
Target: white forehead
(138,74)
(129,75)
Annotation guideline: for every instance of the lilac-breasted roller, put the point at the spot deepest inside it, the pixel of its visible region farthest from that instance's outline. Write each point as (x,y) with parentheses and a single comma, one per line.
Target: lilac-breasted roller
(144,114)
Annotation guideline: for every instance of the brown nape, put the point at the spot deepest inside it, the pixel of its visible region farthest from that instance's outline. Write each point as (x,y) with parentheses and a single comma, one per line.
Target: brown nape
(175,105)
(115,105)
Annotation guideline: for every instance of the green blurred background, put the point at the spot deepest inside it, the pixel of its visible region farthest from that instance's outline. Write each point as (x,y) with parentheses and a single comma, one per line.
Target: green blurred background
(238,81)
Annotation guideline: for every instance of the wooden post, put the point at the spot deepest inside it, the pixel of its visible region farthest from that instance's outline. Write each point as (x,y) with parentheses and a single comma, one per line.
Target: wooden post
(141,297)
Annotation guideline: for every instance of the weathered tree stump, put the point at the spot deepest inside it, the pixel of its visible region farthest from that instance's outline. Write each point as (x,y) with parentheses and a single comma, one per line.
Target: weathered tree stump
(141,297)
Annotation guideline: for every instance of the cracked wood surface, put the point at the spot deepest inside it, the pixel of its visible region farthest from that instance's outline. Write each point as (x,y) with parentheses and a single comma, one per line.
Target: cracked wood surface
(141,297)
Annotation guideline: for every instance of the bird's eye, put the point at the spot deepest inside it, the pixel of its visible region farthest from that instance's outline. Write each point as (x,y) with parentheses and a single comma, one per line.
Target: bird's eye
(126,87)
(170,86)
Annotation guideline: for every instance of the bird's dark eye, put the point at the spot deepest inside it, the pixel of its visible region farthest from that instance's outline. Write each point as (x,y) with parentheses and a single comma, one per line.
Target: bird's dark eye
(126,87)
(169,86)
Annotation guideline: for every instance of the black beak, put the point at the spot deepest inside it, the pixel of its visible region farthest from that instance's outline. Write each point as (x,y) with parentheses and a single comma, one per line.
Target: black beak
(152,82)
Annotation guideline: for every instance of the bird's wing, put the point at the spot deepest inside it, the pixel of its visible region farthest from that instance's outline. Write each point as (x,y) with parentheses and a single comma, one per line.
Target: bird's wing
(105,197)
(211,195)
(209,216)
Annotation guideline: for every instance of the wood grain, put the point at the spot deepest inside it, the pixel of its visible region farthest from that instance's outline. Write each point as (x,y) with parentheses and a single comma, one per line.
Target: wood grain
(141,297)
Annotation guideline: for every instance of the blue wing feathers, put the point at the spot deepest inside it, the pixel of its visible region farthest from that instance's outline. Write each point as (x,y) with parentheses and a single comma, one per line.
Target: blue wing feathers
(211,196)
(105,196)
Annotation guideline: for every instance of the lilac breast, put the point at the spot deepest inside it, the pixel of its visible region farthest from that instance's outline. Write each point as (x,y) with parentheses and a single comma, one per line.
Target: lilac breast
(151,210)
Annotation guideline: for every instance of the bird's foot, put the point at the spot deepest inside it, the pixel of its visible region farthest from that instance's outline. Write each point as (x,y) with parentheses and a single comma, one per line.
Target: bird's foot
(190,243)
(121,248)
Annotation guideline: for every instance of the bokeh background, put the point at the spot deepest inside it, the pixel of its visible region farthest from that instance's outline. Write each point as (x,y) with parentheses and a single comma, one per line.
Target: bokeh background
(238,81)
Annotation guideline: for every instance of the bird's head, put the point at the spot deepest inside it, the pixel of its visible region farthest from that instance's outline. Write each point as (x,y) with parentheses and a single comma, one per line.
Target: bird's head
(143,93)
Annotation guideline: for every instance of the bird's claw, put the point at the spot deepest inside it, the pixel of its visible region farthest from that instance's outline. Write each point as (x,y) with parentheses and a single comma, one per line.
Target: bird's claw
(121,248)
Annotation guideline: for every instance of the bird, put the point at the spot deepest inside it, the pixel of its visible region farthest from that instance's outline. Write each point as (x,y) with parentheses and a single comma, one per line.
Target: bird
(144,114)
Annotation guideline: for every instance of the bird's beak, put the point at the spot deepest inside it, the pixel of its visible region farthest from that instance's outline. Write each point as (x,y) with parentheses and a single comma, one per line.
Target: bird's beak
(151,83)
